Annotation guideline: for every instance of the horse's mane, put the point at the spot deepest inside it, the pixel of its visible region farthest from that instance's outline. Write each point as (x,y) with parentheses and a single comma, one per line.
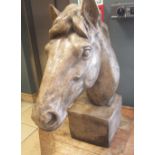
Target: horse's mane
(70,20)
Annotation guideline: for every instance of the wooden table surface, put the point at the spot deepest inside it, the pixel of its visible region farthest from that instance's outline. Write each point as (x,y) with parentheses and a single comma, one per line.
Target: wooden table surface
(60,142)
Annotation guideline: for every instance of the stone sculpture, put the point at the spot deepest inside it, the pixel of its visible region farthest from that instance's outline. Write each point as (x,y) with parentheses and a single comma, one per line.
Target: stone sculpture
(80,58)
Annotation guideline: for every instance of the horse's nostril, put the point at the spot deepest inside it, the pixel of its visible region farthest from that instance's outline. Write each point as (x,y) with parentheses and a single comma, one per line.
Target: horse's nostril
(76,78)
(53,118)
(48,119)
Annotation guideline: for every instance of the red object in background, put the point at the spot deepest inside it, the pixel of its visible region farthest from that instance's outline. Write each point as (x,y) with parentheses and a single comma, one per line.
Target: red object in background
(101,8)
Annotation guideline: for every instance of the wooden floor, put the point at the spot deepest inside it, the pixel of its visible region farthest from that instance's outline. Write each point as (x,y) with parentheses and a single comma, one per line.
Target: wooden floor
(63,144)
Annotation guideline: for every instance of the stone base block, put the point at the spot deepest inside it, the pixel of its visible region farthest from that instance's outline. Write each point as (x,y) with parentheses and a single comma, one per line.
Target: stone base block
(94,124)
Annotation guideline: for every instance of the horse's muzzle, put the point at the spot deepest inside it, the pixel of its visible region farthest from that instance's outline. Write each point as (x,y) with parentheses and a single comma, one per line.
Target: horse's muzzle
(48,120)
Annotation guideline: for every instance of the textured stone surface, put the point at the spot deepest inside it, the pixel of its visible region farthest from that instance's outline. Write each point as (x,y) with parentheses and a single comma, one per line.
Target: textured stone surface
(94,124)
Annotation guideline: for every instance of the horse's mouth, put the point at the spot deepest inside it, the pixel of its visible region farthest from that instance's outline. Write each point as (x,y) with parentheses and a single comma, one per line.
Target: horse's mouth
(52,127)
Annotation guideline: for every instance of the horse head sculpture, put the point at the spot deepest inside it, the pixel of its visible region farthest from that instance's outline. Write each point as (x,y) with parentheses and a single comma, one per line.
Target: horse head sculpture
(80,58)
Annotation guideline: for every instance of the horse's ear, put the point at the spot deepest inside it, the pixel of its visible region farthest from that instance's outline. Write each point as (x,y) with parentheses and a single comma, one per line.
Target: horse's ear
(90,11)
(53,12)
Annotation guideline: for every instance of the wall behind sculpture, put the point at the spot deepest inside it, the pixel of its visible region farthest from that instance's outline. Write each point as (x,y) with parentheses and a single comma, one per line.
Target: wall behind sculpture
(30,72)
(25,85)
(122,38)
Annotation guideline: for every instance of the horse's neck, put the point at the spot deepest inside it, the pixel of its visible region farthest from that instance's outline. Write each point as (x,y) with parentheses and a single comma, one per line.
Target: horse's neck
(108,78)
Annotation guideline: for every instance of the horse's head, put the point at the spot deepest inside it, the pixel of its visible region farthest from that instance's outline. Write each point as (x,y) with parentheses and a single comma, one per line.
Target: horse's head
(73,62)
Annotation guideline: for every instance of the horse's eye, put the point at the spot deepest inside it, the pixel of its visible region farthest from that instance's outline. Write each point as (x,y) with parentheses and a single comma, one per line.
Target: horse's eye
(86,52)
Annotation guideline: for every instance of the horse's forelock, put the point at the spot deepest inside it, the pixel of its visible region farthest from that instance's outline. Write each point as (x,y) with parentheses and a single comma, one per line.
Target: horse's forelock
(70,20)
(60,28)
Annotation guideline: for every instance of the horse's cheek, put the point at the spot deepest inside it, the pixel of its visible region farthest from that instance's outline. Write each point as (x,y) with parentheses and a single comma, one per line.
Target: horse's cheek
(91,77)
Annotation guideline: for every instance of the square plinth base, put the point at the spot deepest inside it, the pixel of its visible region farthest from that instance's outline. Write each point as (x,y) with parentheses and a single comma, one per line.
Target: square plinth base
(94,124)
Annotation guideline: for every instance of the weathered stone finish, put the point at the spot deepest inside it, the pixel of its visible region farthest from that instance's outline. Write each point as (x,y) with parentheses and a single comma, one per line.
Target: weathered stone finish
(80,59)
(94,124)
